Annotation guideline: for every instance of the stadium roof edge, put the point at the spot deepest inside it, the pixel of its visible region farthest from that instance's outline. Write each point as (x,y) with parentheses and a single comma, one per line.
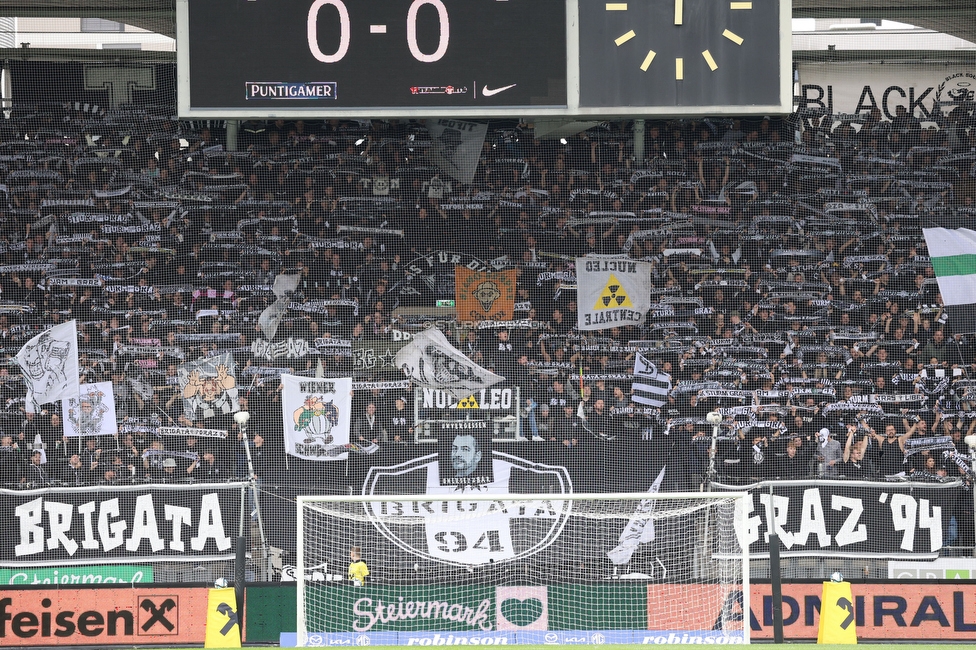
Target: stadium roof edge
(955,17)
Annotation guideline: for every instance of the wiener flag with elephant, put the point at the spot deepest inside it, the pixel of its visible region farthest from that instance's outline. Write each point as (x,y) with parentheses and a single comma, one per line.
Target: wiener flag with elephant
(317,415)
(483,295)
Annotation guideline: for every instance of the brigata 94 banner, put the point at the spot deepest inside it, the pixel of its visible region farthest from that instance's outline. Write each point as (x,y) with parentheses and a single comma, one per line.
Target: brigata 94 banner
(119,524)
(856,519)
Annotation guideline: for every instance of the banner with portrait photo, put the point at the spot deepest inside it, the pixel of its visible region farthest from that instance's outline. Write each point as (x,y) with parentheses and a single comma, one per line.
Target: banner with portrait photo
(91,413)
(464,454)
(481,295)
(316,414)
(209,387)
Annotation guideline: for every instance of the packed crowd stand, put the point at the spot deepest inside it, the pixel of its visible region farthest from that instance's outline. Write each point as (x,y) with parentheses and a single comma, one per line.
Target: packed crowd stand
(791,282)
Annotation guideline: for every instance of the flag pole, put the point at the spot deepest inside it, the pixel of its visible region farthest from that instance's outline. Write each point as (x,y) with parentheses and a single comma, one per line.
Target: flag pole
(582,397)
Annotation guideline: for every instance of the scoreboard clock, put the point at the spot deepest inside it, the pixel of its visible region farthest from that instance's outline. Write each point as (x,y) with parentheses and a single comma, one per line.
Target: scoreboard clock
(481,58)
(703,55)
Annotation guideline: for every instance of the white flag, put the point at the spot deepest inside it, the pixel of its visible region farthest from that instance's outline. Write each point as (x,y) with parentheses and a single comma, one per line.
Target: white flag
(429,360)
(91,412)
(640,528)
(49,364)
(316,415)
(284,287)
(455,146)
(651,387)
(613,291)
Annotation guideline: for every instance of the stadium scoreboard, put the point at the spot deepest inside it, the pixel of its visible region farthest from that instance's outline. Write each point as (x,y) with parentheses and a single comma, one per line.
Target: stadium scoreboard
(482,58)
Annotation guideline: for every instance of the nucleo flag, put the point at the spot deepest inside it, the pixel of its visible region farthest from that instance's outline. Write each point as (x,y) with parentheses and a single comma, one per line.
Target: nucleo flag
(613,291)
(49,365)
(953,255)
(316,414)
(485,296)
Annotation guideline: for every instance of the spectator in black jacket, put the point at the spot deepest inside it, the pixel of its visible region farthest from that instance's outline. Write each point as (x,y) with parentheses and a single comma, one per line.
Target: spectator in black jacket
(856,466)
(11,461)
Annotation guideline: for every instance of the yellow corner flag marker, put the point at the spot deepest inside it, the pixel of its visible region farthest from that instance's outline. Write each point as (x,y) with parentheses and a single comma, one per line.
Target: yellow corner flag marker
(837,613)
(223,628)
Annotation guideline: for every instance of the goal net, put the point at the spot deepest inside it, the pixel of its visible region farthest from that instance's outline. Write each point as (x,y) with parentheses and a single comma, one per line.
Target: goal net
(479,569)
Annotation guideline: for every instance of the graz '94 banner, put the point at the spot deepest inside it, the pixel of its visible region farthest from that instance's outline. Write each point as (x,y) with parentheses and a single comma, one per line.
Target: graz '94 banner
(316,415)
(850,518)
(161,523)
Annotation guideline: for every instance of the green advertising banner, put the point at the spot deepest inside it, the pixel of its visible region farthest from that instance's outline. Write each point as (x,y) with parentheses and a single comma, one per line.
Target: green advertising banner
(386,608)
(403,609)
(620,606)
(80,575)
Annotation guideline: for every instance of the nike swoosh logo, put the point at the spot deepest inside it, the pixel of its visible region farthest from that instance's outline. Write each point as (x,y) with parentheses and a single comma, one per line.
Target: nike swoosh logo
(488,92)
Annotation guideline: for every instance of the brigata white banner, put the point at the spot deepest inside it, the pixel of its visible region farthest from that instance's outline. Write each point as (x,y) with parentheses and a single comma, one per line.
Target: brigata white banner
(859,88)
(858,519)
(119,523)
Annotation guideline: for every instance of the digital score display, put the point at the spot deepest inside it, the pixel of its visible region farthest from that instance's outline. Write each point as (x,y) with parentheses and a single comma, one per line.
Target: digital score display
(350,56)
(482,58)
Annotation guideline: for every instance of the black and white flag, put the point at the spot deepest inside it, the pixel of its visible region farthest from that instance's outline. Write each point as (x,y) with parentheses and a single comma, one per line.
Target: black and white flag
(49,364)
(284,287)
(456,146)
(651,387)
(429,360)
(640,527)
(91,412)
(209,387)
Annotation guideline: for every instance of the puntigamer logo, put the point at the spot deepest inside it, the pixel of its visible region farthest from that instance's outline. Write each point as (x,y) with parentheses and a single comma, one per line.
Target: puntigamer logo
(289,90)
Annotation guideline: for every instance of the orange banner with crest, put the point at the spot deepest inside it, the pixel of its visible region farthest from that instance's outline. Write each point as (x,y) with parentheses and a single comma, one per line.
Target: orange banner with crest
(481,295)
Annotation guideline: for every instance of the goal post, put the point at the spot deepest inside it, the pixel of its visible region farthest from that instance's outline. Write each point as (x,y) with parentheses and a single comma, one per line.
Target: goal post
(456,568)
